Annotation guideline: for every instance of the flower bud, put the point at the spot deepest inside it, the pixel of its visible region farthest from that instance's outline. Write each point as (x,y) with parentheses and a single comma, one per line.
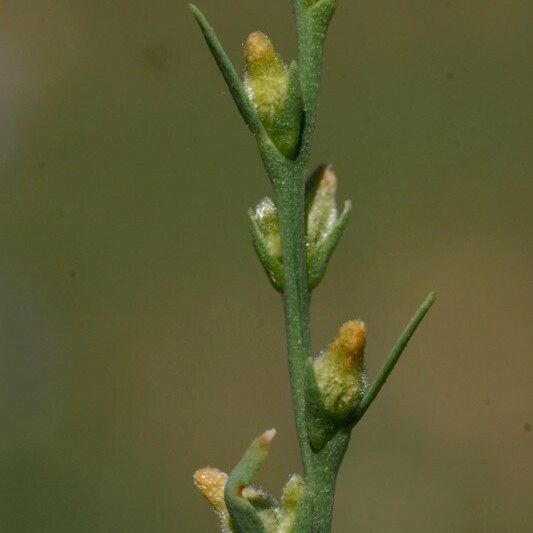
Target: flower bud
(340,371)
(267,77)
(211,482)
(274,90)
(336,383)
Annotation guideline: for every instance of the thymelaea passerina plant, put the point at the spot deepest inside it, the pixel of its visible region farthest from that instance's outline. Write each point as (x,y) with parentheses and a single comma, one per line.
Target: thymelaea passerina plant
(294,232)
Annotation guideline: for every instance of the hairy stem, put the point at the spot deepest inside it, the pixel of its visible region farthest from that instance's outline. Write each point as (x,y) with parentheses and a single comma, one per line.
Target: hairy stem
(326,464)
(296,299)
(320,468)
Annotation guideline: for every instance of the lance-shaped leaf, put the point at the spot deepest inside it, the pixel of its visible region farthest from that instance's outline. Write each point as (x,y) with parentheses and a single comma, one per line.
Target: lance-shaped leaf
(229,73)
(321,426)
(318,259)
(245,517)
(296,507)
(285,130)
(393,358)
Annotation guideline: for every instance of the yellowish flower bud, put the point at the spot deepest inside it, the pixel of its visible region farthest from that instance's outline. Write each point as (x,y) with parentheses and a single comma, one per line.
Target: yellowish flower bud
(211,482)
(339,371)
(274,90)
(267,77)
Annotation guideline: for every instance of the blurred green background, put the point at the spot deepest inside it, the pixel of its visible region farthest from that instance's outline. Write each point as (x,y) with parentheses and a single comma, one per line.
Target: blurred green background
(140,338)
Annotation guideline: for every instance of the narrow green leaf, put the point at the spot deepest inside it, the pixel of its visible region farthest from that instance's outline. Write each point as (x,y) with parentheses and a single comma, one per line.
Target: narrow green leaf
(318,259)
(244,516)
(231,77)
(393,357)
(286,128)
(320,425)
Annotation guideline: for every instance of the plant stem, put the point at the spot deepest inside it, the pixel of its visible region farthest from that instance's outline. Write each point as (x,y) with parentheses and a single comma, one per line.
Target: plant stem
(320,469)
(288,179)
(326,464)
(296,300)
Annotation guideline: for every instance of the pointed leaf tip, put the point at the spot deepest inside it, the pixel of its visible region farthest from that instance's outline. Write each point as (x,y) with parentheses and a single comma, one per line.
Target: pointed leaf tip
(232,79)
(394,356)
(195,11)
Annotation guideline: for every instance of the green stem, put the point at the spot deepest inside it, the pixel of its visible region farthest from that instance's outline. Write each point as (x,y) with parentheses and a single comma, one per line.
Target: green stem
(326,464)
(288,179)
(320,469)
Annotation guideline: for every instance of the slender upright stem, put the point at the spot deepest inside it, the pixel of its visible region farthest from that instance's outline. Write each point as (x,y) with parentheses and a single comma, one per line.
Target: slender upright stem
(320,468)
(296,299)
(288,179)
(326,464)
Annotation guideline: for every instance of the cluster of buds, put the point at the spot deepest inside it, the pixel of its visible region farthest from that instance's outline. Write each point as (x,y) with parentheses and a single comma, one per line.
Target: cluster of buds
(324,227)
(336,382)
(236,502)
